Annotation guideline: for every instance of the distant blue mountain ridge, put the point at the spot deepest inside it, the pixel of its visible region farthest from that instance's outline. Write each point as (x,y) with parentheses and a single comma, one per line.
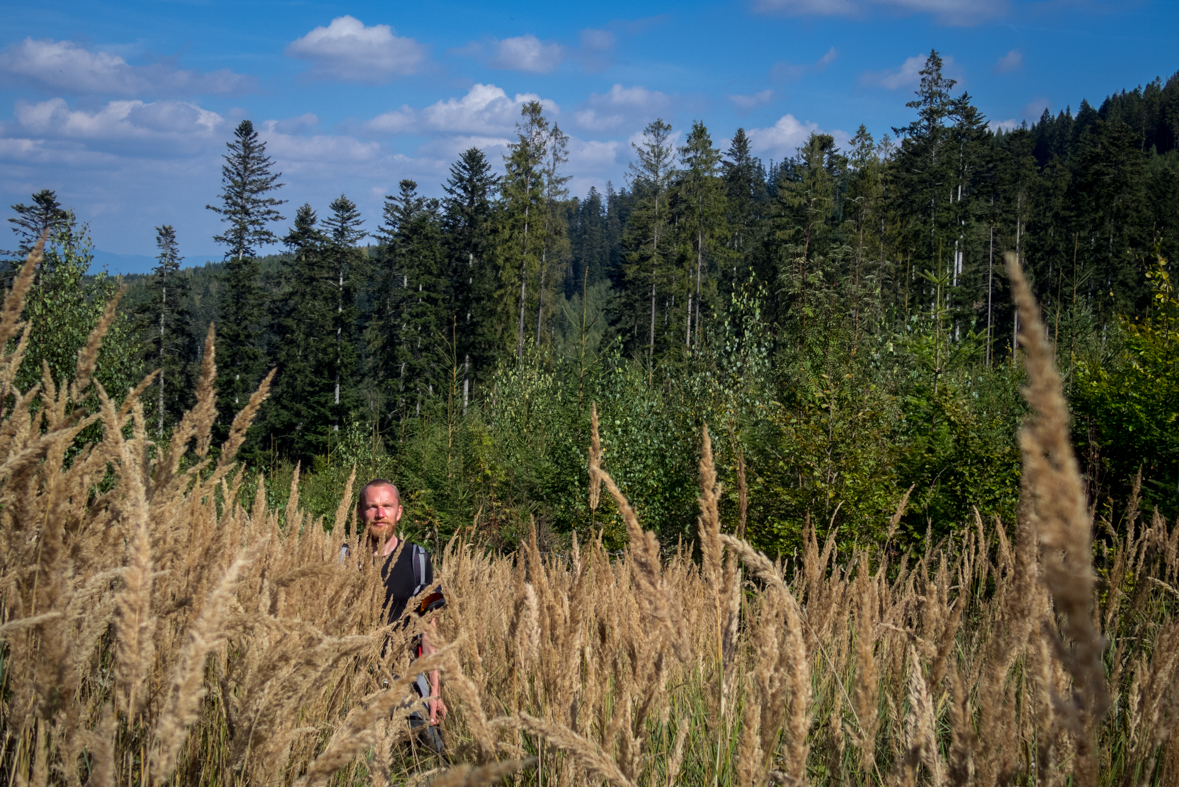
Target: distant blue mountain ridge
(124,264)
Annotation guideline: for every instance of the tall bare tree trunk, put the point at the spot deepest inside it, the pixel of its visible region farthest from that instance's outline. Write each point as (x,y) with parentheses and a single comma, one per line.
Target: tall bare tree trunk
(1019,256)
(523,274)
(339,328)
(990,289)
(699,265)
(160,402)
(654,273)
(540,294)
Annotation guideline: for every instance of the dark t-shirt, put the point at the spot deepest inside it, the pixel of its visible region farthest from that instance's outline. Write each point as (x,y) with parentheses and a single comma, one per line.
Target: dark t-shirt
(400,582)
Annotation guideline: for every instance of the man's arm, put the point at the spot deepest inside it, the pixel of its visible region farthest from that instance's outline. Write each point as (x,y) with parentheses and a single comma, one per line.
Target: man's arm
(437,706)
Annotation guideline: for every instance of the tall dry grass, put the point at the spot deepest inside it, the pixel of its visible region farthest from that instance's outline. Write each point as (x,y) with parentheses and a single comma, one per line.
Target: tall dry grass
(157,631)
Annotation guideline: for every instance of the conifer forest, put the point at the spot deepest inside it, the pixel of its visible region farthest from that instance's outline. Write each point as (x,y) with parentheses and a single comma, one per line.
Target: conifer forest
(771,463)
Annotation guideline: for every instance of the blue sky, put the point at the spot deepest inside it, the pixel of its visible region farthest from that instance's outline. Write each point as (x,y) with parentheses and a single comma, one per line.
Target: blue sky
(124,107)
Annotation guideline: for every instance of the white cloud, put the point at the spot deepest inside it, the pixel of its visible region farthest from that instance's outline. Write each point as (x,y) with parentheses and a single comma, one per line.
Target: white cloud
(1012,61)
(317,154)
(785,71)
(592,155)
(620,106)
(1005,125)
(953,12)
(65,66)
(399,121)
(348,51)
(782,139)
(486,110)
(746,103)
(908,75)
(174,122)
(527,53)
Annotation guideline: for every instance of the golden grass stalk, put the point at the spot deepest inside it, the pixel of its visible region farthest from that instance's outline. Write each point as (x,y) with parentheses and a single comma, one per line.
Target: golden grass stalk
(1063,519)
(182,704)
(588,754)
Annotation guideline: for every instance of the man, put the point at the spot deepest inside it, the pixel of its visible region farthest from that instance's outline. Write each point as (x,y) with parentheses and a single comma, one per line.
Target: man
(379,508)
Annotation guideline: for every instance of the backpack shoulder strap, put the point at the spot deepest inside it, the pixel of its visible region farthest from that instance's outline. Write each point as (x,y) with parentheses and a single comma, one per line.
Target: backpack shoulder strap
(419,568)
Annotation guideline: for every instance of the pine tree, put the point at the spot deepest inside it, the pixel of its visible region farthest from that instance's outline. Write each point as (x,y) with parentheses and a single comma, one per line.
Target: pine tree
(524,198)
(924,171)
(704,198)
(864,208)
(44,214)
(167,326)
(303,314)
(554,250)
(745,191)
(468,227)
(248,210)
(410,326)
(646,227)
(806,218)
(350,265)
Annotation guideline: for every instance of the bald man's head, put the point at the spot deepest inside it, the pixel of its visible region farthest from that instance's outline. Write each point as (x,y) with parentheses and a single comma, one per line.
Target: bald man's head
(379,508)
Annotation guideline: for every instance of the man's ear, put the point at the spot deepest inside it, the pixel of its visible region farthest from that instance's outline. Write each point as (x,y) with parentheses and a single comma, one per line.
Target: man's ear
(398,517)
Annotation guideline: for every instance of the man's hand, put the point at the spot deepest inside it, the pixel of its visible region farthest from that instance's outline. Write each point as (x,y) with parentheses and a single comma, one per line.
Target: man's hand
(438,709)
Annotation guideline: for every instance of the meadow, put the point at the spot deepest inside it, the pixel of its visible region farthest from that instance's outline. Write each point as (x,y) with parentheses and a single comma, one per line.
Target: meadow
(159,627)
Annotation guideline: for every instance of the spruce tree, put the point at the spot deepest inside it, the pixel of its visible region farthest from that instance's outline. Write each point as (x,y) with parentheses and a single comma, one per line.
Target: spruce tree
(350,263)
(744,190)
(554,250)
(524,201)
(924,171)
(704,198)
(410,327)
(44,214)
(166,322)
(247,209)
(646,241)
(468,224)
(299,416)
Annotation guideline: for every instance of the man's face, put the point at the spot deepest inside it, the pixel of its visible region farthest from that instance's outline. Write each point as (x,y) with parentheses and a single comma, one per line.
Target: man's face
(380,509)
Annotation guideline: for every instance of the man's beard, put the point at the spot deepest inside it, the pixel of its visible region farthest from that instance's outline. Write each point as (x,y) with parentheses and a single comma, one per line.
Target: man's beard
(380,531)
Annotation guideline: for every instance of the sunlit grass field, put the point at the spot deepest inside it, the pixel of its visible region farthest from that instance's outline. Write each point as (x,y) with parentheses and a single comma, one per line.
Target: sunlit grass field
(155,630)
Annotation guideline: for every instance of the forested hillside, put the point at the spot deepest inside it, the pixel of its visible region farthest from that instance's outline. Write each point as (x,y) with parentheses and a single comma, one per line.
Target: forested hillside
(840,319)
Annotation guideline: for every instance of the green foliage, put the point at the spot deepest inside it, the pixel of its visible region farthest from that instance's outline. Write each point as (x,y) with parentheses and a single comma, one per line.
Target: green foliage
(165,323)
(65,305)
(247,209)
(1128,410)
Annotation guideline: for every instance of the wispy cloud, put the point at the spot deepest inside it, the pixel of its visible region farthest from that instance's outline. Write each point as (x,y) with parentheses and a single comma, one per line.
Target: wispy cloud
(747,103)
(66,67)
(348,51)
(525,53)
(619,107)
(785,71)
(486,110)
(1012,61)
(951,12)
(908,75)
